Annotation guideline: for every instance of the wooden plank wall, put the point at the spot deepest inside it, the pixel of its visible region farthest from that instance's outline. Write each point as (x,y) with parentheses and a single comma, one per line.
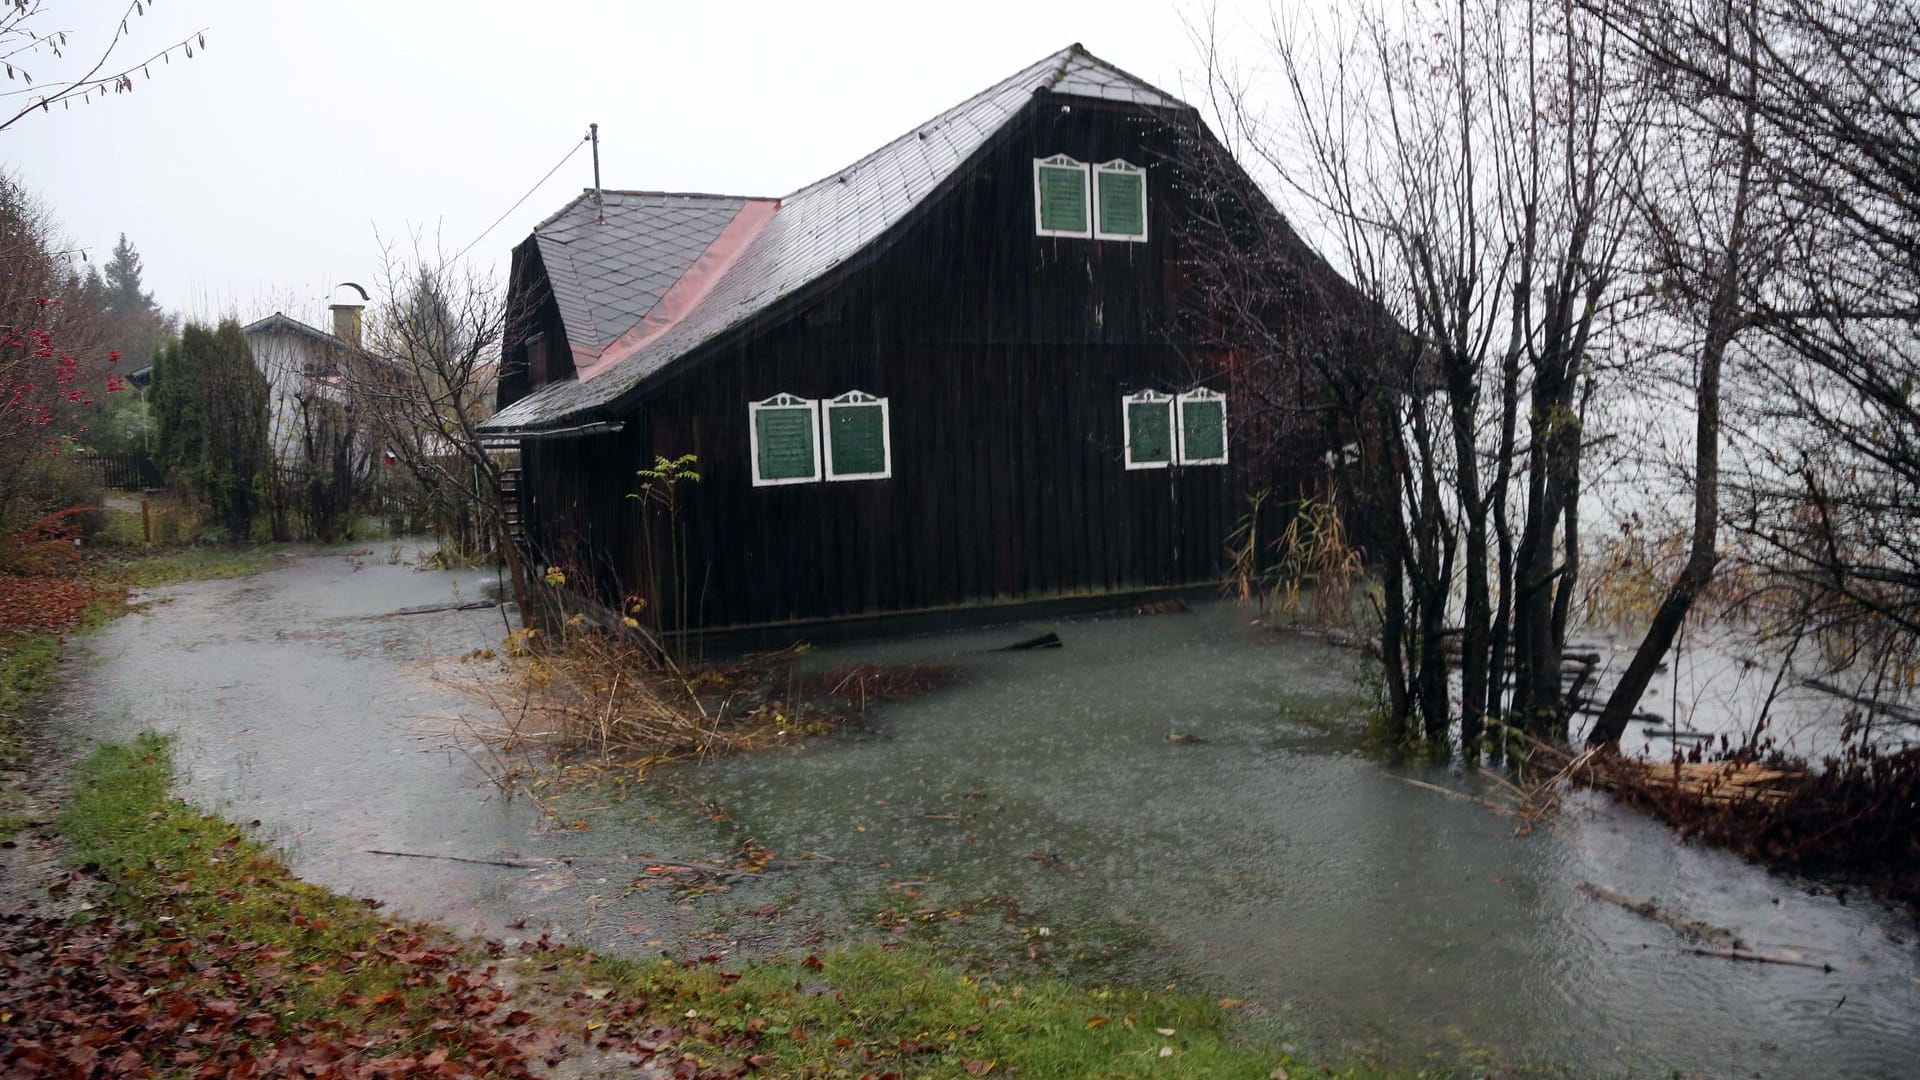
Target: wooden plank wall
(1004,357)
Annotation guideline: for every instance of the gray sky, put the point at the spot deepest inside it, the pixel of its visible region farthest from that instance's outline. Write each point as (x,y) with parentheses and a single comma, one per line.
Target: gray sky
(255,176)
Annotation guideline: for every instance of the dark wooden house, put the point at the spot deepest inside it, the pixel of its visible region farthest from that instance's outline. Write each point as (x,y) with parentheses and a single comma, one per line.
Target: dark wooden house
(945,382)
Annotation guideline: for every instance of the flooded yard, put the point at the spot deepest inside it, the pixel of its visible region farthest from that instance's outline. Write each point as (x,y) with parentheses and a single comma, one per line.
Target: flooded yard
(1272,858)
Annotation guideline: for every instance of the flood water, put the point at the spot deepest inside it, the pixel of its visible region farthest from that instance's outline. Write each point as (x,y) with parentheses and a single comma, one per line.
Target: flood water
(1279,861)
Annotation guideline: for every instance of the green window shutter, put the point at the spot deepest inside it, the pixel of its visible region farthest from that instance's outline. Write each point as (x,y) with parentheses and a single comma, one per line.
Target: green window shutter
(785,437)
(1149,430)
(1203,429)
(1120,198)
(857,438)
(1060,194)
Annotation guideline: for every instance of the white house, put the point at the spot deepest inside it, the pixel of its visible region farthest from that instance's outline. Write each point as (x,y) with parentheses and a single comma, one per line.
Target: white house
(301,362)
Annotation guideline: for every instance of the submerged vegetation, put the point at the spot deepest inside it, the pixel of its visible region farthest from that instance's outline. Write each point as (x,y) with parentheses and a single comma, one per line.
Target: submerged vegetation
(608,696)
(282,975)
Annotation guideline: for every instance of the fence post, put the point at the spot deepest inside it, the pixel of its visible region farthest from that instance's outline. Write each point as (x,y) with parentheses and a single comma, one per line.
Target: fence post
(146,523)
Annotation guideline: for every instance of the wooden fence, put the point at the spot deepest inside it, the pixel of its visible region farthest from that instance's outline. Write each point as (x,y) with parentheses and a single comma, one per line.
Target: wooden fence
(125,472)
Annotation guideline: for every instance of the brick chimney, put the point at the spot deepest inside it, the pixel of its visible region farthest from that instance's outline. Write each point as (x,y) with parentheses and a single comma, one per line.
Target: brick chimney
(346,322)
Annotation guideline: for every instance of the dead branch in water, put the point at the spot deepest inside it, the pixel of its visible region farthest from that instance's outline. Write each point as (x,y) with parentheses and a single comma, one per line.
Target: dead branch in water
(1760,958)
(1647,909)
(511,864)
(1452,794)
(543,862)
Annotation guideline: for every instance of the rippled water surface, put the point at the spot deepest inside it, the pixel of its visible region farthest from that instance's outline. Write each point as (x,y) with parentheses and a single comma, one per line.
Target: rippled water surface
(1277,861)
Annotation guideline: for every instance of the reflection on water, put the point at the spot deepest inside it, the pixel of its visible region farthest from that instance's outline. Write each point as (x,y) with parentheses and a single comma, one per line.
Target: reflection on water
(1276,861)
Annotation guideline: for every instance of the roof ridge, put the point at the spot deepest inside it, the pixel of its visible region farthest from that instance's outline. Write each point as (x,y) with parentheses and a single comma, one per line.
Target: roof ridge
(1058,58)
(680,194)
(1117,70)
(558,214)
(298,324)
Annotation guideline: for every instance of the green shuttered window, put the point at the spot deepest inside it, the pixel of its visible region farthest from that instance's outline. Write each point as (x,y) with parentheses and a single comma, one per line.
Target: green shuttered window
(1163,429)
(1120,201)
(859,444)
(1149,427)
(1203,428)
(1060,197)
(785,432)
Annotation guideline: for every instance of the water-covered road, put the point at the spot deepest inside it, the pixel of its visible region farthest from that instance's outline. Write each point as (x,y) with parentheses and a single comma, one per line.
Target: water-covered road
(1277,861)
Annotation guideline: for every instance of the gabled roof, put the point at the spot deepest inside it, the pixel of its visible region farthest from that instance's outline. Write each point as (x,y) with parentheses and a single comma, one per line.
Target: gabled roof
(807,235)
(282,323)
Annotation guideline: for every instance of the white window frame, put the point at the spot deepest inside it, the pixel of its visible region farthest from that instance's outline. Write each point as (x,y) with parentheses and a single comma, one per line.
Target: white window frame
(1061,161)
(862,399)
(783,401)
(1180,423)
(1149,397)
(1127,168)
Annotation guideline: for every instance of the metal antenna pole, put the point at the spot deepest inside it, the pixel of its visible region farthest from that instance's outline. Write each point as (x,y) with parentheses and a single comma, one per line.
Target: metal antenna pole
(599,203)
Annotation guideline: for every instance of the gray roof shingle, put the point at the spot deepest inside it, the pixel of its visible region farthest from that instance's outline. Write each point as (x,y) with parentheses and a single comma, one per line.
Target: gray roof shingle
(813,231)
(606,277)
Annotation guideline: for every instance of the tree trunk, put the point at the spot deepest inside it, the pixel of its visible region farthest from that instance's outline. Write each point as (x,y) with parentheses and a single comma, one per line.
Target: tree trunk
(1477,614)
(1393,647)
(1499,638)
(1702,554)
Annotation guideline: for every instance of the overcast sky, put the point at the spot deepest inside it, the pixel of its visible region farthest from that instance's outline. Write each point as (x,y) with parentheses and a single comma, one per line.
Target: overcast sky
(256,175)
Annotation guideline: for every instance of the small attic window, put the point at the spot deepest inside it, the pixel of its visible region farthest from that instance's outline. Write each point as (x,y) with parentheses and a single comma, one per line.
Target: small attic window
(1060,197)
(1120,201)
(785,433)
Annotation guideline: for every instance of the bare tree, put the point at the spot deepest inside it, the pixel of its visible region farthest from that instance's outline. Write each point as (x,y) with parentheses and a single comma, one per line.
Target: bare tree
(1469,163)
(1700,202)
(1787,229)
(423,384)
(26,41)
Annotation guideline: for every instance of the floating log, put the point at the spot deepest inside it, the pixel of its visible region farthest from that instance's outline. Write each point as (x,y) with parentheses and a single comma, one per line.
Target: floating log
(1647,909)
(1048,640)
(430,609)
(1898,712)
(1595,708)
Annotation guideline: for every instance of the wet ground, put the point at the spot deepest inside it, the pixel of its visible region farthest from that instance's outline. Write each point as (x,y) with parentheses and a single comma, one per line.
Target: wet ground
(1277,861)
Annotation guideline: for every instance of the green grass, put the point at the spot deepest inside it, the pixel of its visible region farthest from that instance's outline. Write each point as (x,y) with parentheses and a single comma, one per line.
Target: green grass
(909,1009)
(165,860)
(153,569)
(120,528)
(27,666)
